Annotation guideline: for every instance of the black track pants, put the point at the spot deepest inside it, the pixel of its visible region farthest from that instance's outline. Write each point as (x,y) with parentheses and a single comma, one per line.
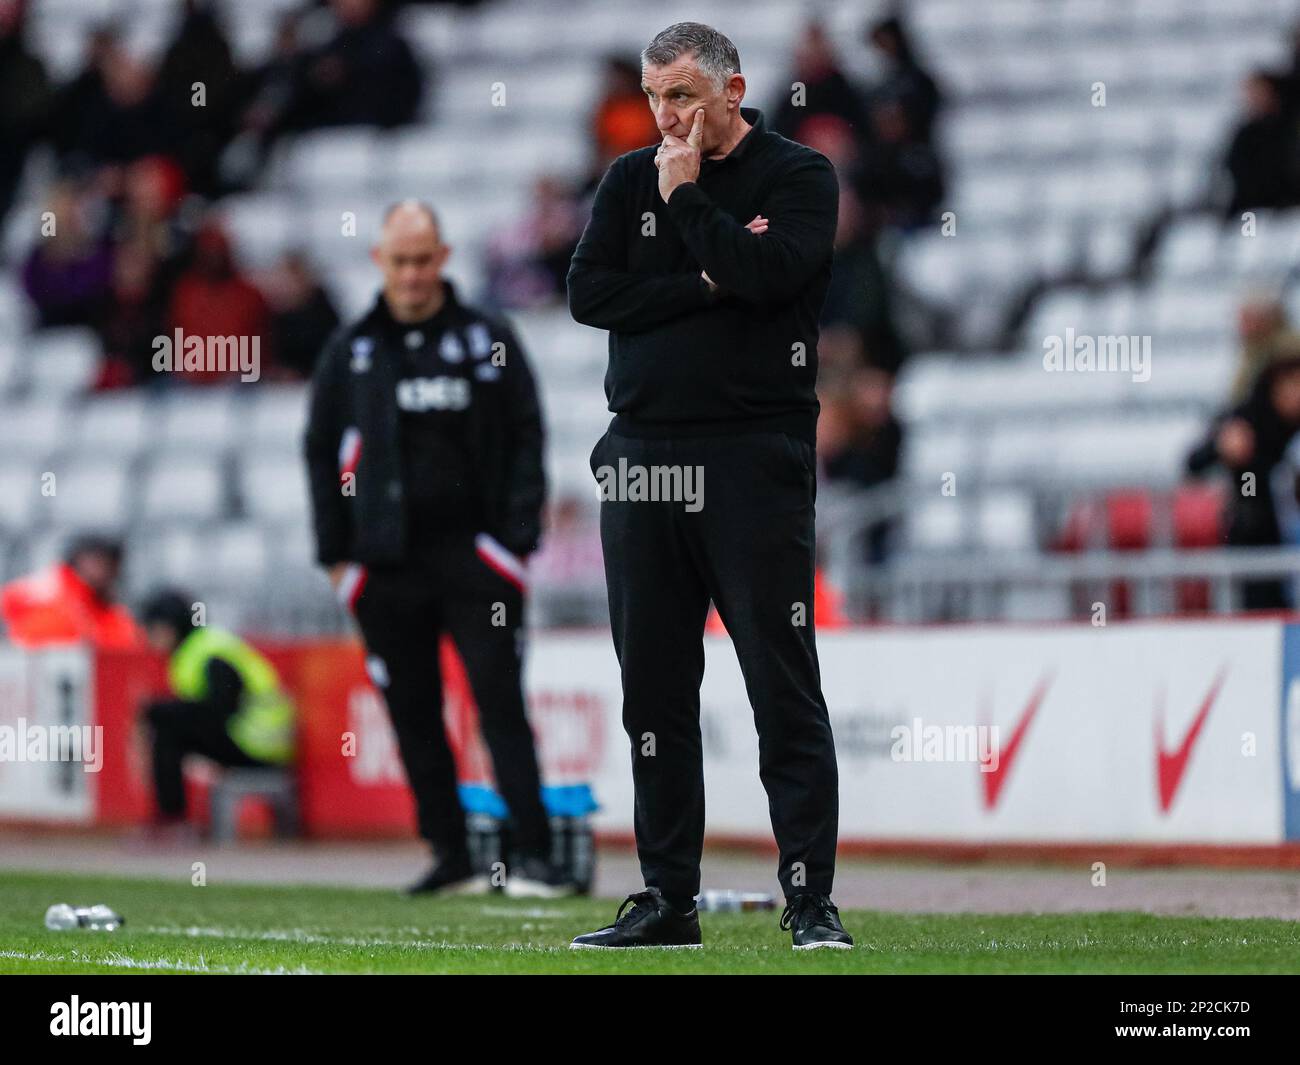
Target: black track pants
(748,544)
(179,727)
(457,588)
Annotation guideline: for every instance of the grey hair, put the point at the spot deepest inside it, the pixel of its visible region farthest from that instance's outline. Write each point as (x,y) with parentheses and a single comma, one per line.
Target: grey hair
(714,52)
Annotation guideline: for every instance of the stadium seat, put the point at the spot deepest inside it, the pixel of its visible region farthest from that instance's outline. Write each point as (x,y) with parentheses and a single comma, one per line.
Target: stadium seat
(1129,520)
(274,490)
(262,226)
(114,423)
(1191,248)
(20,495)
(189,490)
(938,526)
(63,362)
(238,554)
(198,418)
(90,494)
(1006,522)
(35,428)
(276,421)
(338,159)
(1198,516)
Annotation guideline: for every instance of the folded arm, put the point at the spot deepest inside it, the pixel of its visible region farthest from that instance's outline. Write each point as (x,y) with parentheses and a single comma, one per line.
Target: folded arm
(602,291)
(773,266)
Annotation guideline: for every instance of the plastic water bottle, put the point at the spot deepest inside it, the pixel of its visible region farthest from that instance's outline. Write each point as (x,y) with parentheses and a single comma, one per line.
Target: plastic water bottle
(734,901)
(60,917)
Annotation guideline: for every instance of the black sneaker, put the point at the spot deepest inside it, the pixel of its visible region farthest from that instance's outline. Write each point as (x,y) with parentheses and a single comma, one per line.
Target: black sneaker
(651,922)
(451,876)
(536,878)
(814,922)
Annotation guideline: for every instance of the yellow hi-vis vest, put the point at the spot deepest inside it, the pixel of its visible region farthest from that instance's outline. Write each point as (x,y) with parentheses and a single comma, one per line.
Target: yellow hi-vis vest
(262,727)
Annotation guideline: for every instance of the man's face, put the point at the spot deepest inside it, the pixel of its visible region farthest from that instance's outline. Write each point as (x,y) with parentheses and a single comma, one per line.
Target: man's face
(679,89)
(411,256)
(99,570)
(162,637)
(1286,394)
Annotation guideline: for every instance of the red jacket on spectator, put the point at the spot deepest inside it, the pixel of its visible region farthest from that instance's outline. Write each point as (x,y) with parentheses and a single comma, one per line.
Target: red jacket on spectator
(211,299)
(55,606)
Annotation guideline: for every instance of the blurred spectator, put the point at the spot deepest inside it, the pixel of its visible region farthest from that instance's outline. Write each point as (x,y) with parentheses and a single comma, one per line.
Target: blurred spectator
(859,441)
(82,94)
(212,299)
(905,82)
(199,54)
(864,446)
(366,75)
(302,314)
(1249,441)
(826,90)
(72,601)
(1261,159)
(900,175)
(270,95)
(67,274)
(859,296)
(149,248)
(528,262)
(138,314)
(622,121)
(25,99)
(123,118)
(1266,337)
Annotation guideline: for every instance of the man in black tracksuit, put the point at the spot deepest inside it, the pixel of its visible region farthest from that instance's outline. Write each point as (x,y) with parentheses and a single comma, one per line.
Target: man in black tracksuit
(707,258)
(424,452)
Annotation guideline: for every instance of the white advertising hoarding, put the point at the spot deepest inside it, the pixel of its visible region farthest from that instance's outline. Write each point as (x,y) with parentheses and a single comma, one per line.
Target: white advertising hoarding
(48,745)
(1161,732)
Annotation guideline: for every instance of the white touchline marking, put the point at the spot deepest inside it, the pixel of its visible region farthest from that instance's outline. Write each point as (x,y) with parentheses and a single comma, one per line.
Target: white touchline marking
(298,935)
(123,961)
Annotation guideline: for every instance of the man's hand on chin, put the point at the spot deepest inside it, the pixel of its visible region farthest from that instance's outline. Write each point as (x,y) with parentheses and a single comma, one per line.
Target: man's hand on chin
(679,160)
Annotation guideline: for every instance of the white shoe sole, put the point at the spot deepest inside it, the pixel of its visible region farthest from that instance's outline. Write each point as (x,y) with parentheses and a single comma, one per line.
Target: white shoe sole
(535,889)
(641,946)
(824,946)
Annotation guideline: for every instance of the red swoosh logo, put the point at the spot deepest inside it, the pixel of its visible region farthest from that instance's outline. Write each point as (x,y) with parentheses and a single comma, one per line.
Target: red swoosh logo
(995,780)
(1170,766)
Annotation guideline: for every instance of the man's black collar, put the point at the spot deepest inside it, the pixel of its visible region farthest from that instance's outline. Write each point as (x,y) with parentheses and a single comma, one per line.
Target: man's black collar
(758,125)
(381,317)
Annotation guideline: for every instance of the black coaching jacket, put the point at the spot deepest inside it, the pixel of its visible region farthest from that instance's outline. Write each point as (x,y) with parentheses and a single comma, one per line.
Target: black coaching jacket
(353,428)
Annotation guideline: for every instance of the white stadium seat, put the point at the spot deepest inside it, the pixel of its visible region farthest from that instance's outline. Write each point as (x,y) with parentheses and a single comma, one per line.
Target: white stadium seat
(189,490)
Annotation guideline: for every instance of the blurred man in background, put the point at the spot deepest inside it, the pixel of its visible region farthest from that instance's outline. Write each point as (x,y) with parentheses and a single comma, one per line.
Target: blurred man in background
(25,98)
(424,452)
(228,704)
(72,601)
(1249,441)
(1266,338)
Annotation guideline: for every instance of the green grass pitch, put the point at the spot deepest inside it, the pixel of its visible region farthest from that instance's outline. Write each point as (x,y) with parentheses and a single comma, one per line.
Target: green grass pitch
(174,927)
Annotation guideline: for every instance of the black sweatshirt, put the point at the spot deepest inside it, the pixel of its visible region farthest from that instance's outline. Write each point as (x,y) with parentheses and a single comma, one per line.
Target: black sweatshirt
(355,425)
(684,361)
